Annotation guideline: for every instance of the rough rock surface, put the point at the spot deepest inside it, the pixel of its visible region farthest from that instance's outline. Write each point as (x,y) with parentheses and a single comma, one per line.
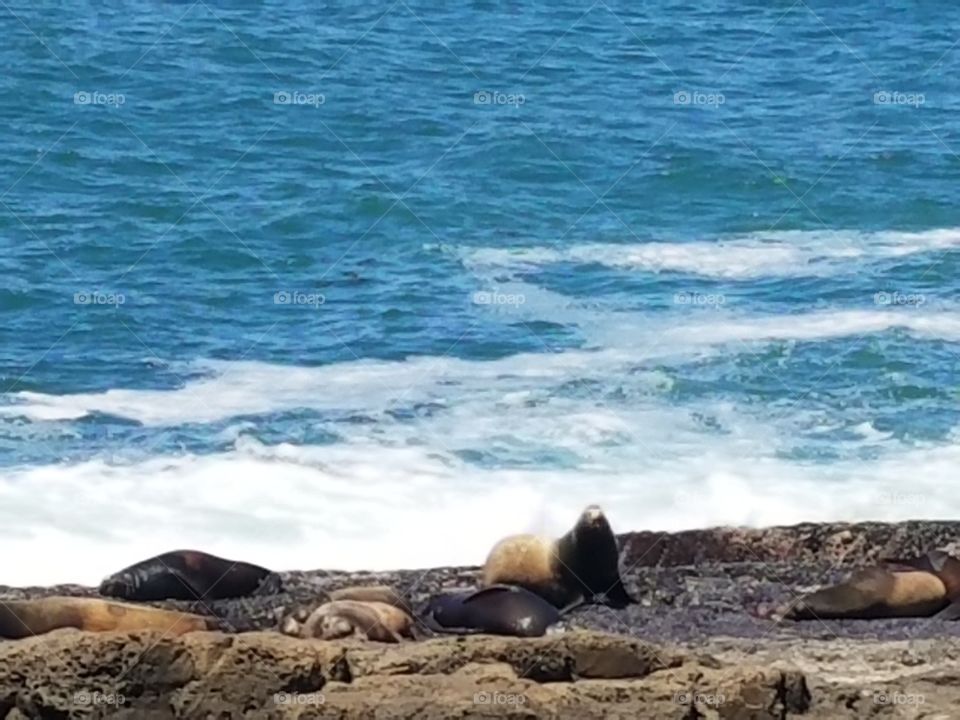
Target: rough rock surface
(265,675)
(691,648)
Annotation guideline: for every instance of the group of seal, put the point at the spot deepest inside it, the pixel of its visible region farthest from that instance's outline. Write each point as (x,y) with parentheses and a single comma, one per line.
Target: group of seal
(528,583)
(177,575)
(374,612)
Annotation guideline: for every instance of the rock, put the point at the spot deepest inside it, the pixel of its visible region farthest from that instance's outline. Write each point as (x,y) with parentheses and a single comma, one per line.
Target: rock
(553,658)
(836,544)
(268,675)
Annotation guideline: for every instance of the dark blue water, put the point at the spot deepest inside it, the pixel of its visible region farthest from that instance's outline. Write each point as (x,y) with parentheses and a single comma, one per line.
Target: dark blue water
(566,252)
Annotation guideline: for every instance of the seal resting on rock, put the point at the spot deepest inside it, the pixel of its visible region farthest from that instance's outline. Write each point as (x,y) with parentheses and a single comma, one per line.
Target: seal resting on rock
(925,586)
(25,618)
(496,610)
(352,618)
(189,575)
(582,566)
(292,624)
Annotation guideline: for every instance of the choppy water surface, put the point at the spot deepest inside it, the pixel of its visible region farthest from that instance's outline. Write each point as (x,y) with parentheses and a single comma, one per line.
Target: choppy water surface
(370,285)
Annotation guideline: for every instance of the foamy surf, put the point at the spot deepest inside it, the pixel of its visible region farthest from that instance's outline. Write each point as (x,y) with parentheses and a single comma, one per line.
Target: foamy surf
(756,255)
(378,508)
(233,389)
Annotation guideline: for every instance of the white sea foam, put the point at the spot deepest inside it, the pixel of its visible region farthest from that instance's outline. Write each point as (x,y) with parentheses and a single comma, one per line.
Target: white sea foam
(776,254)
(361,506)
(566,429)
(235,389)
(456,453)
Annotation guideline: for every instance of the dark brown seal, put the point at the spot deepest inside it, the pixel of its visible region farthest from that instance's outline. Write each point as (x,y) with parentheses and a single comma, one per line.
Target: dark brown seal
(189,575)
(495,610)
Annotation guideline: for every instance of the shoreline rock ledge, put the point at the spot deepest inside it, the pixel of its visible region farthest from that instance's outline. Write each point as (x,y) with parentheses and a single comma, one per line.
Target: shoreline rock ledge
(577,674)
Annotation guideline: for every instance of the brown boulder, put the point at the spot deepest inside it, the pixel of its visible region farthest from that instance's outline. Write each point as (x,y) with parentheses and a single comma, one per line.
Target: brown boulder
(266,675)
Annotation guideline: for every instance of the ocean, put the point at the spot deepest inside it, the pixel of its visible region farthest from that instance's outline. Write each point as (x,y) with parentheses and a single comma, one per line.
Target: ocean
(370,285)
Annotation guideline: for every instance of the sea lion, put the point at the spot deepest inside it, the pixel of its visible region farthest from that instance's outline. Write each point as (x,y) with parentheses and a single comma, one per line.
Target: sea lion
(947,568)
(372,620)
(495,610)
(25,618)
(189,575)
(582,566)
(925,586)
(292,623)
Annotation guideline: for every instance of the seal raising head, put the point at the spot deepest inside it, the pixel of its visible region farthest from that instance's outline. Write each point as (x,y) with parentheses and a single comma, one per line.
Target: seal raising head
(582,566)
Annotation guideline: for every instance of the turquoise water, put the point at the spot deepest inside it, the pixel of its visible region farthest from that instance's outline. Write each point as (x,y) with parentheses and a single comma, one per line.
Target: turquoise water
(280,274)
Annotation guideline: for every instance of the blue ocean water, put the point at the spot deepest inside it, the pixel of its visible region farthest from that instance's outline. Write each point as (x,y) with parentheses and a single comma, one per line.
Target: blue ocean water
(314,284)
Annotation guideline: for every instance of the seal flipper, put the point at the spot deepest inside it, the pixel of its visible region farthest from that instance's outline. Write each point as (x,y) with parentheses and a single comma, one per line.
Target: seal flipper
(575,605)
(616,597)
(950,612)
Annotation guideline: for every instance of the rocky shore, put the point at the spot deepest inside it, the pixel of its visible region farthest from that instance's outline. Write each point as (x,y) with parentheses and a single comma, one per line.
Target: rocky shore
(693,647)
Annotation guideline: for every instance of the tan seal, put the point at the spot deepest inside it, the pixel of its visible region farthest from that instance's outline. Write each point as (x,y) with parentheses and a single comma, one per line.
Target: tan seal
(352,618)
(917,587)
(292,624)
(25,618)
